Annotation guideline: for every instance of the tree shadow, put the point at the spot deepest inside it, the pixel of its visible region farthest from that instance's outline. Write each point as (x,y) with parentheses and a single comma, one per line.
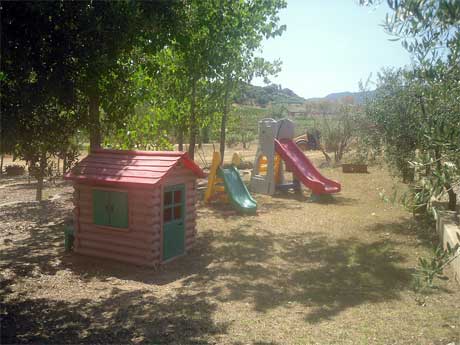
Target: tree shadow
(328,199)
(422,227)
(270,269)
(223,210)
(122,318)
(41,245)
(257,343)
(55,183)
(89,268)
(39,213)
(246,262)
(336,200)
(6,181)
(291,195)
(324,277)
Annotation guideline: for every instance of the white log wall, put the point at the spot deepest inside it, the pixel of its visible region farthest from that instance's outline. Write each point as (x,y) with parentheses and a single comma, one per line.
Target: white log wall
(137,244)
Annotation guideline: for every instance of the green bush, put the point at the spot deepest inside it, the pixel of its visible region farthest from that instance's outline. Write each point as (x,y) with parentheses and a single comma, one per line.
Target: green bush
(233,139)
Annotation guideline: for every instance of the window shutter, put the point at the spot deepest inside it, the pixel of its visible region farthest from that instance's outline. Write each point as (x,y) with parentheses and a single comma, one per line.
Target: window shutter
(100,207)
(119,209)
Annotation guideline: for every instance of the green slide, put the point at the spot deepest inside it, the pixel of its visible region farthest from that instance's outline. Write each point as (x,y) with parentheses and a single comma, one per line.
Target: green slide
(237,191)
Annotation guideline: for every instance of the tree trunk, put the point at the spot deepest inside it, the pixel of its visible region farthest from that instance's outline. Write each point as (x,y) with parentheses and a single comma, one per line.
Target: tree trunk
(1,152)
(64,165)
(28,165)
(205,135)
(94,122)
(180,139)
(223,127)
(450,192)
(39,194)
(328,158)
(40,177)
(452,198)
(193,122)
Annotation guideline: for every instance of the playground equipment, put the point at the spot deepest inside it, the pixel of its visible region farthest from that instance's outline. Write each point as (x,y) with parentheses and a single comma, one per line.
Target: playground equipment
(310,140)
(226,185)
(276,146)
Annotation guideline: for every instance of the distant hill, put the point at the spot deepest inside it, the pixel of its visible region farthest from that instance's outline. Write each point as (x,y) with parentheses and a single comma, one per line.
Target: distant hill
(264,95)
(358,97)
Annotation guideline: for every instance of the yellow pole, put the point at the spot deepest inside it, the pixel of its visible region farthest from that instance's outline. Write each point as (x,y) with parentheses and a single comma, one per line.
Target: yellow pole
(212,176)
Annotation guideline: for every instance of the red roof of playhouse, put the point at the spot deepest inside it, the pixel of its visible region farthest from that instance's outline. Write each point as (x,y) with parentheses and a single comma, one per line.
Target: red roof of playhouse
(130,167)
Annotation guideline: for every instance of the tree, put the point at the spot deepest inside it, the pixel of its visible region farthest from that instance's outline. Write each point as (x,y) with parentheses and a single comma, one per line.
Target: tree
(106,35)
(417,123)
(45,134)
(82,47)
(429,30)
(37,90)
(338,132)
(242,27)
(394,111)
(215,44)
(62,61)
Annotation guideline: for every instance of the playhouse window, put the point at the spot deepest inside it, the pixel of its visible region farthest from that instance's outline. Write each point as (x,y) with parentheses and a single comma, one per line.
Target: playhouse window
(168,198)
(110,208)
(173,205)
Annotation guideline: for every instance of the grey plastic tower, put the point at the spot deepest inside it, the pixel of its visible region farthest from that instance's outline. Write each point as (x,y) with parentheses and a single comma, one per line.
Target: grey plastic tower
(269,129)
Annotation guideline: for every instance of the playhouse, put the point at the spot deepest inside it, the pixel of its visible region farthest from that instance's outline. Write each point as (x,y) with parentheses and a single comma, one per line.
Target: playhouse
(135,206)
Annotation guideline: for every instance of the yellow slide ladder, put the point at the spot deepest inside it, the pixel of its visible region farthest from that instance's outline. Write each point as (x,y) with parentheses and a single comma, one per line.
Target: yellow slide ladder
(216,188)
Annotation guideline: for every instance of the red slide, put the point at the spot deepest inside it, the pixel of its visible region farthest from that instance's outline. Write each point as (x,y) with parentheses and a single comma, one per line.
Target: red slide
(303,169)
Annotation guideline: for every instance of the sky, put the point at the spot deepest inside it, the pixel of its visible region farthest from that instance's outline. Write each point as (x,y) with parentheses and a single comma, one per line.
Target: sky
(330,45)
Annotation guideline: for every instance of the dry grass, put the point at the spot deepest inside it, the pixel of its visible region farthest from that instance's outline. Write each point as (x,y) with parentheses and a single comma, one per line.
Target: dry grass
(337,272)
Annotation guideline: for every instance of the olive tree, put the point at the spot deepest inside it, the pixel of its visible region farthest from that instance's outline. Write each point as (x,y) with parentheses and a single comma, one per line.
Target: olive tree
(424,113)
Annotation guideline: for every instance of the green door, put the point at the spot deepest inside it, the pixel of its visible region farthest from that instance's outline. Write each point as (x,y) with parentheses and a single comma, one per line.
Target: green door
(173,221)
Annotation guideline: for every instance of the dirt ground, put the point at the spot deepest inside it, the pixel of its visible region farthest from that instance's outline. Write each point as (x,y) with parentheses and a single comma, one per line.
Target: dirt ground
(332,272)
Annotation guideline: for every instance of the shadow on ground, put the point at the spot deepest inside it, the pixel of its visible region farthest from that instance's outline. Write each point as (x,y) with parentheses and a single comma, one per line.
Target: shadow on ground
(246,263)
(124,317)
(421,226)
(327,199)
(326,278)
(32,184)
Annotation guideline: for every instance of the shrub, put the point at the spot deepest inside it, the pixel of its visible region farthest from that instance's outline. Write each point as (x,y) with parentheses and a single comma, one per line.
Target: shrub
(15,170)
(338,132)
(233,140)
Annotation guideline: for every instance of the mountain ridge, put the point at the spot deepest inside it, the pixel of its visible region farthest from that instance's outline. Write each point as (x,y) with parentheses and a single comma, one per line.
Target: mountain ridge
(358,97)
(275,93)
